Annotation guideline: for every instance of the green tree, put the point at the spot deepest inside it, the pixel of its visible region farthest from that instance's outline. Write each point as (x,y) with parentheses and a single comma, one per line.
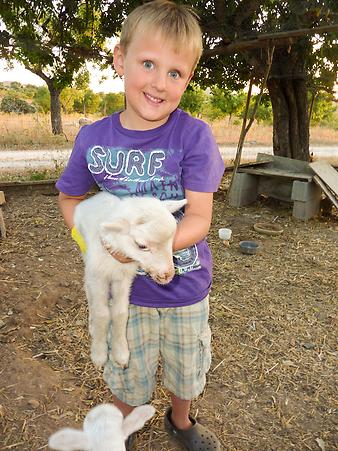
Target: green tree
(264,110)
(193,100)
(112,102)
(323,109)
(52,40)
(69,98)
(91,102)
(10,104)
(227,103)
(41,99)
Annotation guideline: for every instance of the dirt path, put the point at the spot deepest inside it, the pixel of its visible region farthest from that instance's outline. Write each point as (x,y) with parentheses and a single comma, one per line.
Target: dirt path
(53,158)
(272,380)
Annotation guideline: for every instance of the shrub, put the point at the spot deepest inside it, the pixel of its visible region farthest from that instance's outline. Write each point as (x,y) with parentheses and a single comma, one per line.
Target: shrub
(11,104)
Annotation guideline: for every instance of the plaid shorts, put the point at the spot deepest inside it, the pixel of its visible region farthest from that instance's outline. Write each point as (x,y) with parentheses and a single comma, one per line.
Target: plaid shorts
(181,335)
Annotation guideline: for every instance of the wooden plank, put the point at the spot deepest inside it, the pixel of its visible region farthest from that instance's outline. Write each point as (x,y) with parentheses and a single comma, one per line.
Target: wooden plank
(326,190)
(2,225)
(255,163)
(327,173)
(288,164)
(248,164)
(274,172)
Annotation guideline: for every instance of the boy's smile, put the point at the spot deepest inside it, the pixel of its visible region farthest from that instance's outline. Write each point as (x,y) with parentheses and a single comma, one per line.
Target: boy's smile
(156,75)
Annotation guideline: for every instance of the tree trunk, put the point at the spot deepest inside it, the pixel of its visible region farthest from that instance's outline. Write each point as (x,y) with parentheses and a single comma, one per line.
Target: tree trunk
(290,118)
(55,110)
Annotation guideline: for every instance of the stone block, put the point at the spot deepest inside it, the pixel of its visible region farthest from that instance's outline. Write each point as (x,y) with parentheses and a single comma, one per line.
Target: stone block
(305,210)
(243,190)
(304,191)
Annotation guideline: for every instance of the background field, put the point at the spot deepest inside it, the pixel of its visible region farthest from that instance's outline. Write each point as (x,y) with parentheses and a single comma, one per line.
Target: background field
(33,131)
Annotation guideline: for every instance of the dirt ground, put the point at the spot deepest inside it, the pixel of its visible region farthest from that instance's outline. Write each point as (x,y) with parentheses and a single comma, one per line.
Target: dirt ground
(272,381)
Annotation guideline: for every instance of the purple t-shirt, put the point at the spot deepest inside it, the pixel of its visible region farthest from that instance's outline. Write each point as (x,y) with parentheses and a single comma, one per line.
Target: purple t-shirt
(162,162)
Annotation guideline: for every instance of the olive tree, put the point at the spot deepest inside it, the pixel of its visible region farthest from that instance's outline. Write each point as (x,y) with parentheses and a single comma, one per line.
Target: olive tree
(53,40)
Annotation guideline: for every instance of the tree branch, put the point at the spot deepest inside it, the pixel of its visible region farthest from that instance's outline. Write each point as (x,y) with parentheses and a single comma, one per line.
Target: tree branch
(281,39)
(245,127)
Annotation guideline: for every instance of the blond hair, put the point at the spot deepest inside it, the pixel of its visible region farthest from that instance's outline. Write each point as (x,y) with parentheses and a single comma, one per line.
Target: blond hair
(176,23)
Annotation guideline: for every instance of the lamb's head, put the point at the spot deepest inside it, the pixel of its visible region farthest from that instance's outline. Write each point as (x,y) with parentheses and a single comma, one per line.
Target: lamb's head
(104,429)
(144,232)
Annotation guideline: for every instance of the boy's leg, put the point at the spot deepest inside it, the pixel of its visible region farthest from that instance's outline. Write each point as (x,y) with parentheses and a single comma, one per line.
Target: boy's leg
(180,412)
(185,348)
(126,409)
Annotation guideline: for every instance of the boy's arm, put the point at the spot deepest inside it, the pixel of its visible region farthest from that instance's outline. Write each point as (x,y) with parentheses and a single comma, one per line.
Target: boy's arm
(195,224)
(67,206)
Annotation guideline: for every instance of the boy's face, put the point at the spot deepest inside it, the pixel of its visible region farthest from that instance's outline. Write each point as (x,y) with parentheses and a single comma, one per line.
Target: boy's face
(155,77)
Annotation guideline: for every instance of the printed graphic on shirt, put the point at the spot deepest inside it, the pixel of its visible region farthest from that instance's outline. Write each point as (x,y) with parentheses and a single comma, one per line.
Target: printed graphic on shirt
(121,171)
(186,260)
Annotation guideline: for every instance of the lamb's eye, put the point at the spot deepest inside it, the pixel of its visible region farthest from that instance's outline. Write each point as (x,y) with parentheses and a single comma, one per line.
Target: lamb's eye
(142,247)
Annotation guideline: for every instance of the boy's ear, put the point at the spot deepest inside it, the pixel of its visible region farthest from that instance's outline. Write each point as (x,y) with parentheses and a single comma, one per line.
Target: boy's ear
(118,60)
(189,79)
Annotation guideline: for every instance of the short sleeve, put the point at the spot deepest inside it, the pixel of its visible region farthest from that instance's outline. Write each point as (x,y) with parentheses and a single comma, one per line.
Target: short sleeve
(202,165)
(76,179)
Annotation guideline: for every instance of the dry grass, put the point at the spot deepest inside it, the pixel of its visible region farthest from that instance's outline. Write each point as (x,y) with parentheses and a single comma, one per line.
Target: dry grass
(260,134)
(33,131)
(226,133)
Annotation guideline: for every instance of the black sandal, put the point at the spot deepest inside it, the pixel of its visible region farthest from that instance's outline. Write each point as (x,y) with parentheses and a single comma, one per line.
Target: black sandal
(197,438)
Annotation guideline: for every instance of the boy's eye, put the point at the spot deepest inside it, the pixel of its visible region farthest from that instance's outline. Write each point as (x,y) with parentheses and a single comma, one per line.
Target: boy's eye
(148,64)
(174,74)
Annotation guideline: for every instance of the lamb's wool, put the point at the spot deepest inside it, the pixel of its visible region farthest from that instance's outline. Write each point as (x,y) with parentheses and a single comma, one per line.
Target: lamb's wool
(104,429)
(140,228)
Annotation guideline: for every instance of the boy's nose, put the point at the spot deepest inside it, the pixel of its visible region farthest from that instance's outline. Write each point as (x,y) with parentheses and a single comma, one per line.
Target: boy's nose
(159,81)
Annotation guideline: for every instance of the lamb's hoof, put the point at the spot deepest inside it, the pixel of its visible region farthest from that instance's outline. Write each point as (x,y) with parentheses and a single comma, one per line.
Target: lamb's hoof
(99,358)
(121,358)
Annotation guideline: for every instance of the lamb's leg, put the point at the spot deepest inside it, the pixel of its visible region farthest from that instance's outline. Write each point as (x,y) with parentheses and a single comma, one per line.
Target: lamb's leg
(99,318)
(119,316)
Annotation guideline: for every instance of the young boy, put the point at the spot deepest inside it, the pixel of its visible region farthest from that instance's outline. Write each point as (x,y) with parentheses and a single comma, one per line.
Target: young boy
(152,148)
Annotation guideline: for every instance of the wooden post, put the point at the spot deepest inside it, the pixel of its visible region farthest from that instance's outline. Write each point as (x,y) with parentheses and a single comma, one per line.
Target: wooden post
(245,126)
(2,222)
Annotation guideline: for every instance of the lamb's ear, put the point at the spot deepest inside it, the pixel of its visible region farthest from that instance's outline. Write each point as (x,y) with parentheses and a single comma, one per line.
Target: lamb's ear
(136,419)
(174,205)
(119,225)
(69,439)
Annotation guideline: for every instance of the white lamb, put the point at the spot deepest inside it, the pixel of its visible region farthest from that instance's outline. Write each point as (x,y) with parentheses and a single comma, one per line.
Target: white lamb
(142,229)
(104,429)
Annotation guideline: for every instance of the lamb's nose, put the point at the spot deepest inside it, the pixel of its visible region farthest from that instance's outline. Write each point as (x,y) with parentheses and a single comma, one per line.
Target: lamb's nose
(165,277)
